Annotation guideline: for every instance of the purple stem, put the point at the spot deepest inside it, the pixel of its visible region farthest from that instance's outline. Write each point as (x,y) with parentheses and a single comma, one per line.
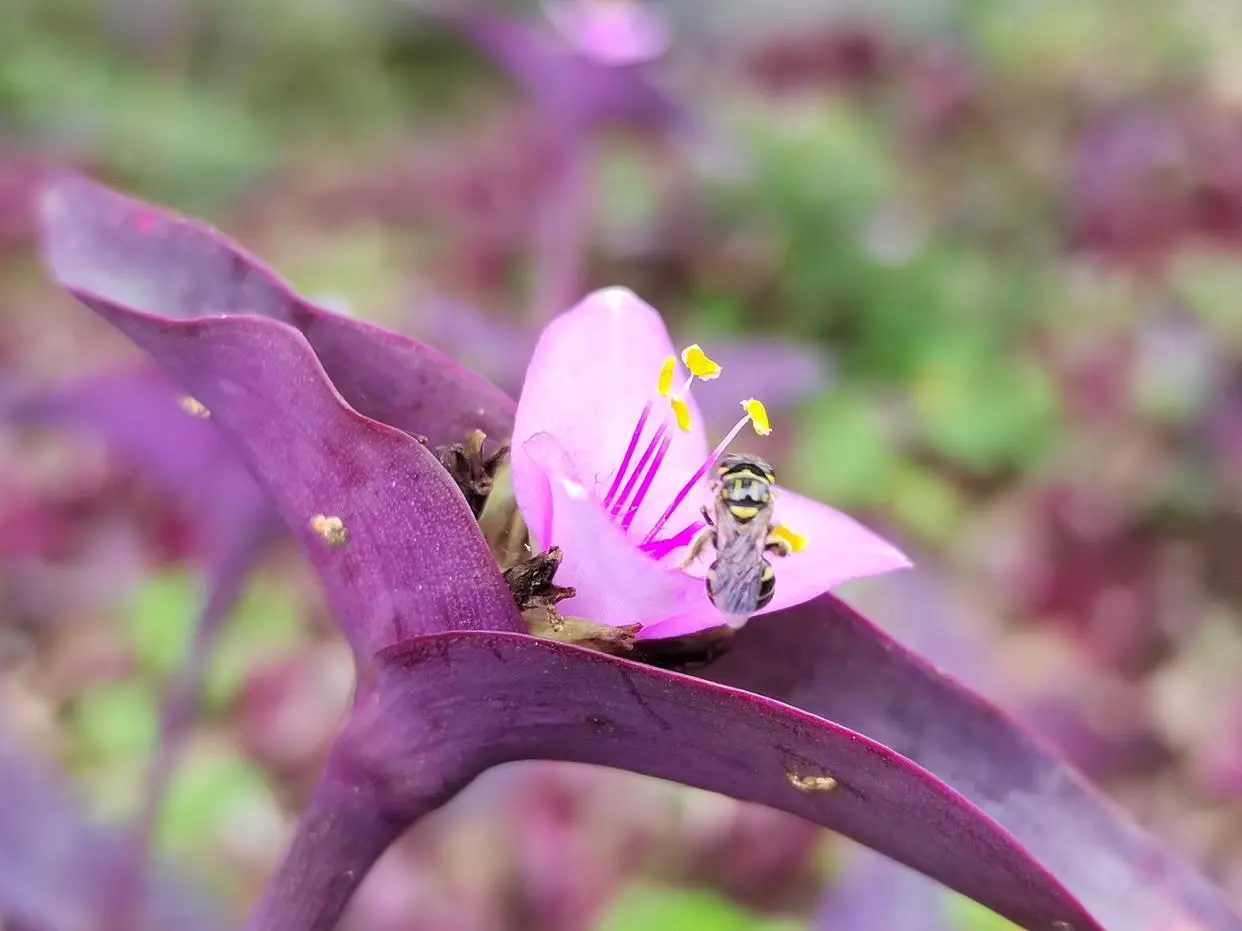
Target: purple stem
(341,833)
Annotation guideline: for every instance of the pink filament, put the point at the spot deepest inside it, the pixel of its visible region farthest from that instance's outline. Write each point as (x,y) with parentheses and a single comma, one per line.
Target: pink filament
(638,469)
(647,480)
(695,479)
(629,454)
(658,549)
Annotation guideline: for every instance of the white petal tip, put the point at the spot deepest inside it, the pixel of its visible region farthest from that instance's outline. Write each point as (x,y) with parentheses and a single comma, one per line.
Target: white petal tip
(615,298)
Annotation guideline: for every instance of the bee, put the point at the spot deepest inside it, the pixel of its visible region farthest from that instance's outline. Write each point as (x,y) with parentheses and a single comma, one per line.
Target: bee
(740,581)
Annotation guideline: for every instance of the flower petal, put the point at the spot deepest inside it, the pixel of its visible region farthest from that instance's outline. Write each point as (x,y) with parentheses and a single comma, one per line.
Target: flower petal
(593,370)
(615,34)
(616,582)
(106,248)
(838,549)
(827,659)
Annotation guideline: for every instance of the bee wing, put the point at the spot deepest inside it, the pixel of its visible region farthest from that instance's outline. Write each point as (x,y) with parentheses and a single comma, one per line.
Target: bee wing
(738,571)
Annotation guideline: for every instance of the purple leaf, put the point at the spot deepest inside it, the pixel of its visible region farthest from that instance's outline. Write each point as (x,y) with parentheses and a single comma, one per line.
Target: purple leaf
(55,869)
(446,707)
(399,512)
(321,462)
(113,252)
(828,660)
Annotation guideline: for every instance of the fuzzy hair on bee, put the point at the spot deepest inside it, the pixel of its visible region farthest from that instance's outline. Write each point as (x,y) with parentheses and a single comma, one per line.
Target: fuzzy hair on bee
(740,581)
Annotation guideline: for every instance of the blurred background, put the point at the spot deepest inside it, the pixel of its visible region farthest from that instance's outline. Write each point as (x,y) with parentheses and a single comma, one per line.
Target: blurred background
(981,258)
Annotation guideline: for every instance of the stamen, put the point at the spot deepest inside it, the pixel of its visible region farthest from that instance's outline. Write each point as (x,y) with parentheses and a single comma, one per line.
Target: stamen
(638,469)
(758,415)
(629,451)
(754,411)
(664,388)
(796,541)
(665,382)
(658,549)
(697,361)
(646,485)
(681,410)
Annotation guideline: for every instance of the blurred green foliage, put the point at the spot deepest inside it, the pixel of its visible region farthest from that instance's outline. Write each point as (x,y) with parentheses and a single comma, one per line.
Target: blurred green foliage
(649,906)
(115,727)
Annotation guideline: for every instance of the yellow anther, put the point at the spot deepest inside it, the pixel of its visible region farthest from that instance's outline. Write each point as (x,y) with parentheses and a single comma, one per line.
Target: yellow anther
(665,384)
(796,541)
(681,410)
(758,416)
(697,361)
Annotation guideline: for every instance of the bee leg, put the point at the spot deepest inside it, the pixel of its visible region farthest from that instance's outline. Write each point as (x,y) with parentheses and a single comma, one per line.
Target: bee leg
(701,539)
(778,546)
(707,516)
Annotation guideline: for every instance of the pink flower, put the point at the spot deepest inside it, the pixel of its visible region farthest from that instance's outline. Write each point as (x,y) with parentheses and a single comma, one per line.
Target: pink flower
(611,463)
(610,32)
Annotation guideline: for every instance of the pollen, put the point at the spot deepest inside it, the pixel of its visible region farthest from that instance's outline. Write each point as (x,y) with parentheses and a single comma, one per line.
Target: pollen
(665,384)
(758,416)
(194,407)
(700,365)
(681,410)
(796,541)
(811,783)
(331,530)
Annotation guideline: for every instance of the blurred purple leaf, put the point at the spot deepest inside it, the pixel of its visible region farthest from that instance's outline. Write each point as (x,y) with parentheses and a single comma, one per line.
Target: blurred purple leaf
(109,250)
(499,347)
(782,372)
(874,892)
(828,660)
(139,415)
(55,869)
(572,93)
(836,55)
(1148,178)
(763,859)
